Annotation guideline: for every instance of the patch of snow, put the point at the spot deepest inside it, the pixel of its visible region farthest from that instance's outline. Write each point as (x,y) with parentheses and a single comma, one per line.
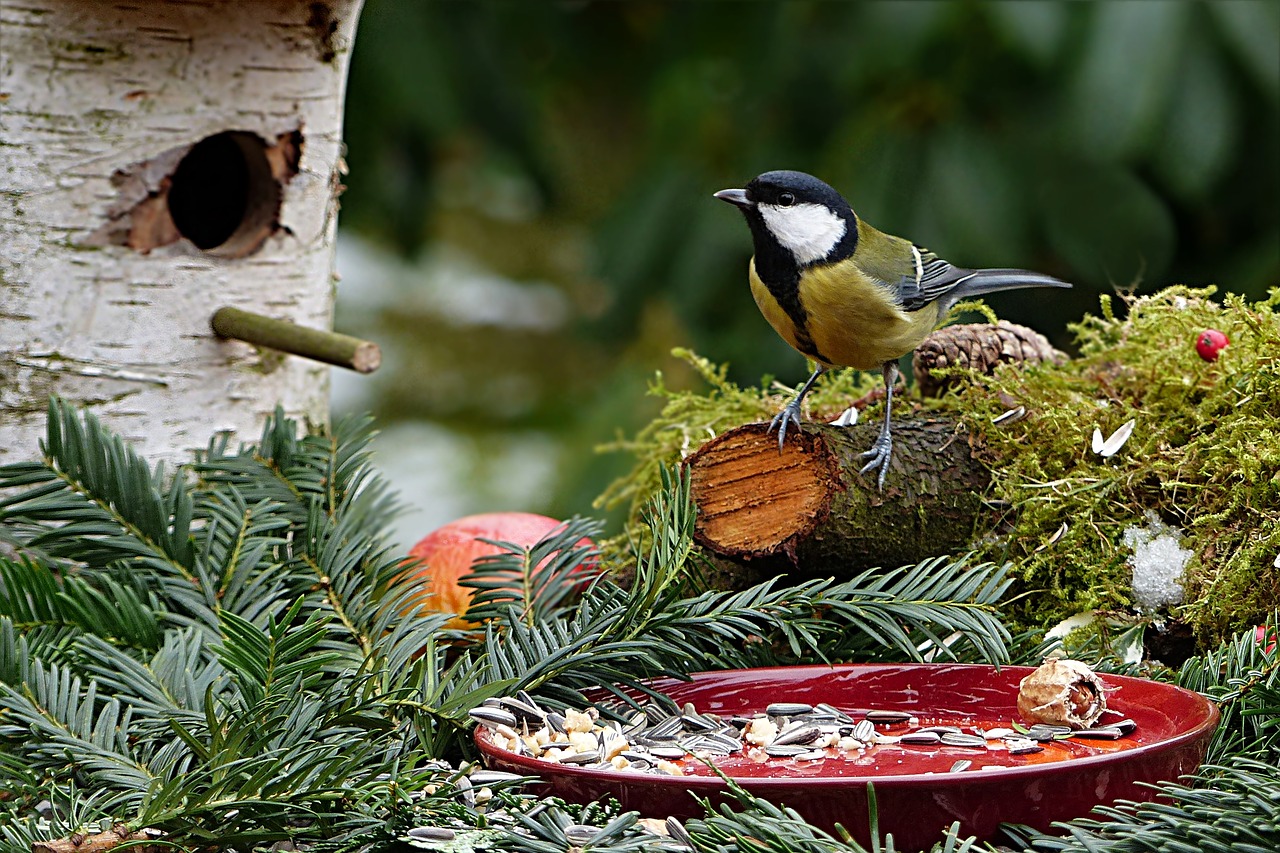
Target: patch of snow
(1158,561)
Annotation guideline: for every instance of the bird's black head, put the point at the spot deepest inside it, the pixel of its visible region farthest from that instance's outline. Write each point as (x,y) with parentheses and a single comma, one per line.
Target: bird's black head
(796,219)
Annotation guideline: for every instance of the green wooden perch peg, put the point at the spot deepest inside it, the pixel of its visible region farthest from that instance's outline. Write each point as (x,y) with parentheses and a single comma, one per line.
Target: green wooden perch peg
(316,344)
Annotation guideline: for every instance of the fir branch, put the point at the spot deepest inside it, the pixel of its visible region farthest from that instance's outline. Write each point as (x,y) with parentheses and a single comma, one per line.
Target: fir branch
(97,500)
(70,726)
(34,596)
(1244,679)
(537,581)
(1229,808)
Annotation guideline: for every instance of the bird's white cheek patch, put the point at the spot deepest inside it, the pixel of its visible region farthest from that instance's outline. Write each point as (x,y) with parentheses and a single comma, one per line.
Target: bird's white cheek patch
(809,231)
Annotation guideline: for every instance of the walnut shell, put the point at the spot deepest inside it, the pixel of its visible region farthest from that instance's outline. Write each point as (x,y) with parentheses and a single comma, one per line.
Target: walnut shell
(1062,693)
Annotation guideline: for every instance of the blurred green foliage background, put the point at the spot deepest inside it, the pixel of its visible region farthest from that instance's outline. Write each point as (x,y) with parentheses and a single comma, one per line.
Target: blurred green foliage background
(528,226)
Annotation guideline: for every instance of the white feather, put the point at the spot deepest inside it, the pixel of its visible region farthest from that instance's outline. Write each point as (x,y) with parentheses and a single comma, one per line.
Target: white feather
(808,231)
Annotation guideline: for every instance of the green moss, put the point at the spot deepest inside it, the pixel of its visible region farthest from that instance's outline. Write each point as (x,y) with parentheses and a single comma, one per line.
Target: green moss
(1204,455)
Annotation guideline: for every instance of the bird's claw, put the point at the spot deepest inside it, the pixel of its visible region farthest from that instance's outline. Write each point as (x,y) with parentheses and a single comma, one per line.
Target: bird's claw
(789,414)
(879,454)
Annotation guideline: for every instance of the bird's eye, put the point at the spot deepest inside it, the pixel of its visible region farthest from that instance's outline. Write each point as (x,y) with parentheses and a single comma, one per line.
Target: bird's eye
(786,199)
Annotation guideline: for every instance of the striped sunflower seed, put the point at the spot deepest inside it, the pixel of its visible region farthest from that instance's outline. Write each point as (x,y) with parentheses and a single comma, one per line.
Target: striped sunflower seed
(493,717)
(920,738)
(788,709)
(877,715)
(1099,733)
(484,778)
(678,833)
(800,733)
(1125,726)
(963,740)
(579,833)
(824,708)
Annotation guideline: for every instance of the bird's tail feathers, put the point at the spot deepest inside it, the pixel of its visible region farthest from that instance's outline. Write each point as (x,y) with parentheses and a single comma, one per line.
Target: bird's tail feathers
(991,281)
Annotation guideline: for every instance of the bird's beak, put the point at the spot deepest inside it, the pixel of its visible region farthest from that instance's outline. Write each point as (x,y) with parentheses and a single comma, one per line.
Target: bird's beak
(738,197)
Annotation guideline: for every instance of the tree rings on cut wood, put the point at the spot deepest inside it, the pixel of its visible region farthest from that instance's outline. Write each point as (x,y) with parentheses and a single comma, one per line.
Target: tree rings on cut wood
(808,507)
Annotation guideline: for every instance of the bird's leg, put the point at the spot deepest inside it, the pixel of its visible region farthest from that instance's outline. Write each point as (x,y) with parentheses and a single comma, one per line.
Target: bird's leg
(883,448)
(791,412)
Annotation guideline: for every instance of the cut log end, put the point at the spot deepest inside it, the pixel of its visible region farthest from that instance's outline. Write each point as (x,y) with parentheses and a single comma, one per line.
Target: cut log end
(755,499)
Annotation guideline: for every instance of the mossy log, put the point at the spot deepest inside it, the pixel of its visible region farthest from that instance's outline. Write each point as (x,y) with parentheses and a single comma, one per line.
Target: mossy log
(808,510)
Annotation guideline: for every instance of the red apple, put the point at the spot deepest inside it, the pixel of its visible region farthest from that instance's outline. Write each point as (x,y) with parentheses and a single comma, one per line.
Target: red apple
(446,555)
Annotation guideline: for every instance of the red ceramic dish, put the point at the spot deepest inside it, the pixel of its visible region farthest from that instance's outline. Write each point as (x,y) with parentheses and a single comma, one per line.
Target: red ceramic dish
(917,798)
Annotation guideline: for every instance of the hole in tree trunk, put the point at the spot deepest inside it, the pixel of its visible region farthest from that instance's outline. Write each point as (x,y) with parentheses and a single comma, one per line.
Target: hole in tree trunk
(223,196)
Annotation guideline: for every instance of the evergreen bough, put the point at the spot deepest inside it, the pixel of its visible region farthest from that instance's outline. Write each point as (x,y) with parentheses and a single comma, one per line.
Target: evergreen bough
(230,657)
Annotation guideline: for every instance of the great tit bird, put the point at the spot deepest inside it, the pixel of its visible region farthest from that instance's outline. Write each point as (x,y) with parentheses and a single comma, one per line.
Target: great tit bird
(845,294)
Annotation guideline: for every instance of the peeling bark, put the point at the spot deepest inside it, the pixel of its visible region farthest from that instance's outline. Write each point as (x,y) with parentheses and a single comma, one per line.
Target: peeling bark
(105,299)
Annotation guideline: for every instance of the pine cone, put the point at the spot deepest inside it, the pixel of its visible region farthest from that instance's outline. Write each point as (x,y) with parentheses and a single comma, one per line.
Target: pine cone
(977,346)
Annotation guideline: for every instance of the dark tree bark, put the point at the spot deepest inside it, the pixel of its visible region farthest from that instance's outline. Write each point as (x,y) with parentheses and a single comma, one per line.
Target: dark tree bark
(806,509)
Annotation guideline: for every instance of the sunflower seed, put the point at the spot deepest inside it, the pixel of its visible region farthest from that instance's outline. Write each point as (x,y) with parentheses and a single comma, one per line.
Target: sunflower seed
(864,731)
(798,734)
(589,757)
(920,738)
(882,716)
(431,833)
(1099,733)
(963,740)
(523,711)
(678,833)
(579,833)
(997,733)
(1011,416)
(701,743)
(493,717)
(1114,442)
(788,709)
(1125,726)
(961,766)
(824,708)
(1022,746)
(493,777)
(556,722)
(667,752)
(942,730)
(784,750)
(1045,733)
(812,755)
(697,722)
(668,729)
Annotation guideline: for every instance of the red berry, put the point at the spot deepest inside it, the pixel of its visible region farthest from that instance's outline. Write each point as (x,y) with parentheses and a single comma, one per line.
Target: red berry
(1210,343)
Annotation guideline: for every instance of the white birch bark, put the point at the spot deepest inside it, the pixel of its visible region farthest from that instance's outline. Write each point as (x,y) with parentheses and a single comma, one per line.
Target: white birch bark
(99,101)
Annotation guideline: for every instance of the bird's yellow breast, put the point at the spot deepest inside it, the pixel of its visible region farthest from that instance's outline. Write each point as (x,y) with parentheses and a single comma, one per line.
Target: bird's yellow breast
(852,320)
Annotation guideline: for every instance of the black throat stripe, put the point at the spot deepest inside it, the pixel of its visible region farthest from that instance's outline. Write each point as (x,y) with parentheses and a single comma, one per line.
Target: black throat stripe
(778,270)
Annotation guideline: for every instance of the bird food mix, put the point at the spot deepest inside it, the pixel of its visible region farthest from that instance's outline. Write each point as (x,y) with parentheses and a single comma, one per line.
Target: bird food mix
(1063,703)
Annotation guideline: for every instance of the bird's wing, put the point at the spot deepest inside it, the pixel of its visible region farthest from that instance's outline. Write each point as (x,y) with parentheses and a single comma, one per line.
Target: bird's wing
(933,279)
(914,275)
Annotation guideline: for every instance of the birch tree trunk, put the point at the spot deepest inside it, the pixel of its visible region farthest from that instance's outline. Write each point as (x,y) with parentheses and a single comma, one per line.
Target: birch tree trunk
(159,160)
